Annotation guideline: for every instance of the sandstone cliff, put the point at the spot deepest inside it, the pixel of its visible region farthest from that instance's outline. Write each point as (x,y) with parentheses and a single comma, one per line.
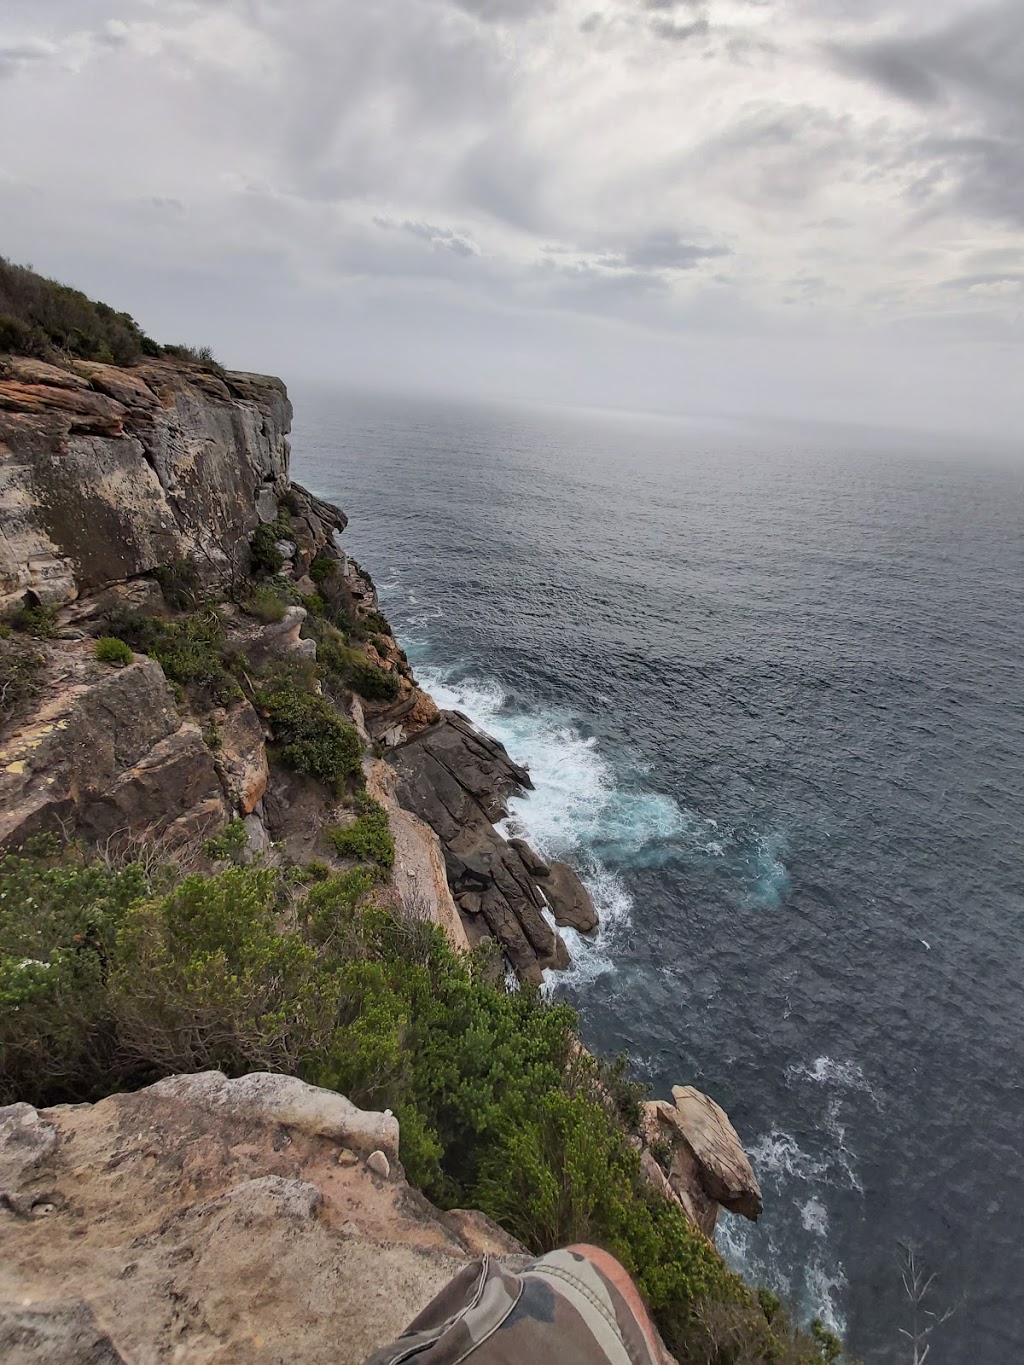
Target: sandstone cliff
(139,500)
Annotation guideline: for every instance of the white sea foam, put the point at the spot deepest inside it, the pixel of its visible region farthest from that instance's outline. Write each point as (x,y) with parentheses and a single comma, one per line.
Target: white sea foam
(778,1154)
(825,1071)
(579,810)
(814,1216)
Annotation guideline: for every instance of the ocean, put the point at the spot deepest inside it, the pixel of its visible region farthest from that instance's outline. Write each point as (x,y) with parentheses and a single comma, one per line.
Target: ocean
(767,682)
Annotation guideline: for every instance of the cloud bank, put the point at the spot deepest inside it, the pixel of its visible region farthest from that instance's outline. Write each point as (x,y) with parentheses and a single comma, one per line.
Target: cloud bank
(803,207)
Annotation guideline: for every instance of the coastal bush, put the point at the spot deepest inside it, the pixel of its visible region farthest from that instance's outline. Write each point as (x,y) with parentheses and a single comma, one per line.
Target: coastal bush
(373,683)
(265,558)
(369,839)
(38,621)
(266,604)
(230,844)
(111,977)
(180,584)
(199,355)
(110,650)
(41,317)
(191,649)
(377,621)
(323,568)
(313,738)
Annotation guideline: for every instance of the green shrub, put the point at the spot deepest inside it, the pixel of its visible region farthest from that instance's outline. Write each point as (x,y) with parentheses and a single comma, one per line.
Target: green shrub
(323,568)
(20,666)
(109,978)
(373,683)
(230,844)
(265,559)
(314,604)
(191,649)
(180,584)
(58,926)
(266,604)
(198,355)
(377,622)
(42,317)
(38,621)
(313,738)
(369,839)
(109,650)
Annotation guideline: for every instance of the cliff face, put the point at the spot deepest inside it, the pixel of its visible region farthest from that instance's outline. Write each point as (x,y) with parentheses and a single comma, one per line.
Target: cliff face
(108,473)
(122,490)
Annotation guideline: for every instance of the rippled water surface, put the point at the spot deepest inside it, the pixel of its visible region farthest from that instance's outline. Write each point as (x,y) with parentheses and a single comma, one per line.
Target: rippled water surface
(768,685)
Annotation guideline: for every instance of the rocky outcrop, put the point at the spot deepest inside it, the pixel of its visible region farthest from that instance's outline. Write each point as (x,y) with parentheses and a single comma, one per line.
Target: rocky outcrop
(708,1166)
(106,753)
(420,881)
(569,899)
(205,1220)
(458,780)
(106,473)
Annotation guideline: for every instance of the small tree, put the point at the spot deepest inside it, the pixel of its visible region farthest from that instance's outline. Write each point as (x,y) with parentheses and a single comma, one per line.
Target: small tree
(917,1284)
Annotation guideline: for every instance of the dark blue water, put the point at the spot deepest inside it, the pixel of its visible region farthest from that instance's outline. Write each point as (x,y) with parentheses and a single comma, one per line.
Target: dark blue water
(768,683)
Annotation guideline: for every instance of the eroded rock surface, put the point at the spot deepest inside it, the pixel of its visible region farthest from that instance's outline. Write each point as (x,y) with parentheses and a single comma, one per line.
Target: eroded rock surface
(458,780)
(106,753)
(709,1167)
(213,1220)
(106,473)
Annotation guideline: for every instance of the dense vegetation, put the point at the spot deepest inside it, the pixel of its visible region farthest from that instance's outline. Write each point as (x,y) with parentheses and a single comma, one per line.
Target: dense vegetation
(111,976)
(49,320)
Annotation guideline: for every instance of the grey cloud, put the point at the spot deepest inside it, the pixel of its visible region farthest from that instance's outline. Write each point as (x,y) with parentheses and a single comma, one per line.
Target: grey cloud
(679,33)
(16,56)
(443,238)
(1011,277)
(504,9)
(901,72)
(664,251)
(971,72)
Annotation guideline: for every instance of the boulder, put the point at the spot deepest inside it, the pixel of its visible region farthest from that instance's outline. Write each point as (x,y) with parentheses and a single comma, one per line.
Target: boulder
(724,1171)
(241,759)
(458,780)
(569,899)
(534,864)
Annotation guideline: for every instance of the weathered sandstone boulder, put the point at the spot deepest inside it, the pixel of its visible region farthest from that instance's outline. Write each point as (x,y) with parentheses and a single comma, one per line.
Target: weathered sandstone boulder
(241,756)
(207,1220)
(708,1166)
(725,1172)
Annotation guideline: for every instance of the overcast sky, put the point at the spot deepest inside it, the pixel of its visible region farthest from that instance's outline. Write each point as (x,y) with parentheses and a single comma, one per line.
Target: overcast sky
(800,207)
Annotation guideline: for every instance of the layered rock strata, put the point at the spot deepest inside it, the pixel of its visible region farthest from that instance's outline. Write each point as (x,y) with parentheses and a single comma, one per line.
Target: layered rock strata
(107,473)
(708,1167)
